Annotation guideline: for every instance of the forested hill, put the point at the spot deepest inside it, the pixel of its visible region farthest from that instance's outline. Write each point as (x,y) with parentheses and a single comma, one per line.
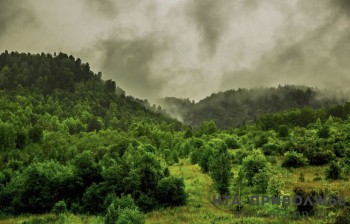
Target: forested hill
(236,107)
(68,139)
(63,86)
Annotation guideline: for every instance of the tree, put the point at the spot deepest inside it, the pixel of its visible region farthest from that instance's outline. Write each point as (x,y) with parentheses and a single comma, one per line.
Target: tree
(207,128)
(94,124)
(171,191)
(59,208)
(123,210)
(86,169)
(294,159)
(35,134)
(323,132)
(110,86)
(283,131)
(333,171)
(252,165)
(220,171)
(7,136)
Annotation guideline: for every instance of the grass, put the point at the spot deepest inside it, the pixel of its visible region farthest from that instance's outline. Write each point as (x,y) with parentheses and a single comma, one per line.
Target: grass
(199,209)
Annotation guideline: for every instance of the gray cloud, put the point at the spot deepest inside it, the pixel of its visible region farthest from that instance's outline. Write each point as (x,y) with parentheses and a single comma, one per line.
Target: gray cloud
(104,7)
(13,13)
(157,48)
(128,61)
(211,19)
(319,58)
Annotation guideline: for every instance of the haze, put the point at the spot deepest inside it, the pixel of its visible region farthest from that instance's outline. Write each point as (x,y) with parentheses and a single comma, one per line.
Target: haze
(190,48)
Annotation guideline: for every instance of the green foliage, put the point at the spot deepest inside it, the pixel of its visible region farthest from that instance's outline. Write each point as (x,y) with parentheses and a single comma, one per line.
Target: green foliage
(71,142)
(261,180)
(123,210)
(207,128)
(275,185)
(171,192)
(304,194)
(220,171)
(294,159)
(333,171)
(283,131)
(7,136)
(39,187)
(204,157)
(35,134)
(252,165)
(343,217)
(59,207)
(324,132)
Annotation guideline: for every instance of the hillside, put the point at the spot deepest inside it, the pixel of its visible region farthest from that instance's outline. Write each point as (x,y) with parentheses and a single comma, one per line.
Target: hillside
(233,108)
(81,151)
(69,139)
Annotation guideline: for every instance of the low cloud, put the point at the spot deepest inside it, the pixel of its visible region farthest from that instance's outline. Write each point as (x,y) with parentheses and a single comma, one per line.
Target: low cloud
(158,48)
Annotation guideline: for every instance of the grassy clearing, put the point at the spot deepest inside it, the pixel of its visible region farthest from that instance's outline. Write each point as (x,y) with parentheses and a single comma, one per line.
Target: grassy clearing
(200,190)
(53,219)
(199,209)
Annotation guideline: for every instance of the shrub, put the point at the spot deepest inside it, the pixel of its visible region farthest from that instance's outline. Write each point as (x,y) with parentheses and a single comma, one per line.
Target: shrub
(283,131)
(270,149)
(261,180)
(343,217)
(304,194)
(170,191)
(252,165)
(317,179)
(261,140)
(123,210)
(231,142)
(274,186)
(321,158)
(324,132)
(333,171)
(59,207)
(128,216)
(294,159)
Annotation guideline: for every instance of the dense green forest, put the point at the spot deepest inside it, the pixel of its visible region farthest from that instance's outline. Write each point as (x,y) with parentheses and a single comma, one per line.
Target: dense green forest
(233,108)
(72,143)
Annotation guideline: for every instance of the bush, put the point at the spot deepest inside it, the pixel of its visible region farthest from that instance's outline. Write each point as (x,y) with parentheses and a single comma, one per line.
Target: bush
(333,171)
(304,194)
(274,186)
(252,165)
(123,210)
(59,207)
(261,180)
(231,142)
(270,149)
(240,155)
(321,158)
(170,191)
(343,217)
(294,159)
(130,216)
(324,132)
(317,179)
(283,131)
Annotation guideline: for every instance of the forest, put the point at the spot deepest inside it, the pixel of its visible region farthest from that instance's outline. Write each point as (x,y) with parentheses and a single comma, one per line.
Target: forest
(233,108)
(75,149)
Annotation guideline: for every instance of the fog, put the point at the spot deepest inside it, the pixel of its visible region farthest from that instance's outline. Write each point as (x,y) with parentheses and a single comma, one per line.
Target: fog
(190,48)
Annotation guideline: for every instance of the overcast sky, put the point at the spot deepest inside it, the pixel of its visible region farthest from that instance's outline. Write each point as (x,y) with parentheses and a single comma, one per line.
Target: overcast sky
(189,48)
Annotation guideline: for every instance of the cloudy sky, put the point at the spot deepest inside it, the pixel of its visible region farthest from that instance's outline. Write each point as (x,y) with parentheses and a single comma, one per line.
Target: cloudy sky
(189,48)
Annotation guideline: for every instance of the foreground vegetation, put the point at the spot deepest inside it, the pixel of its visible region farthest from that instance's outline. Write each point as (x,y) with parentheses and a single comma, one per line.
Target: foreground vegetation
(75,149)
